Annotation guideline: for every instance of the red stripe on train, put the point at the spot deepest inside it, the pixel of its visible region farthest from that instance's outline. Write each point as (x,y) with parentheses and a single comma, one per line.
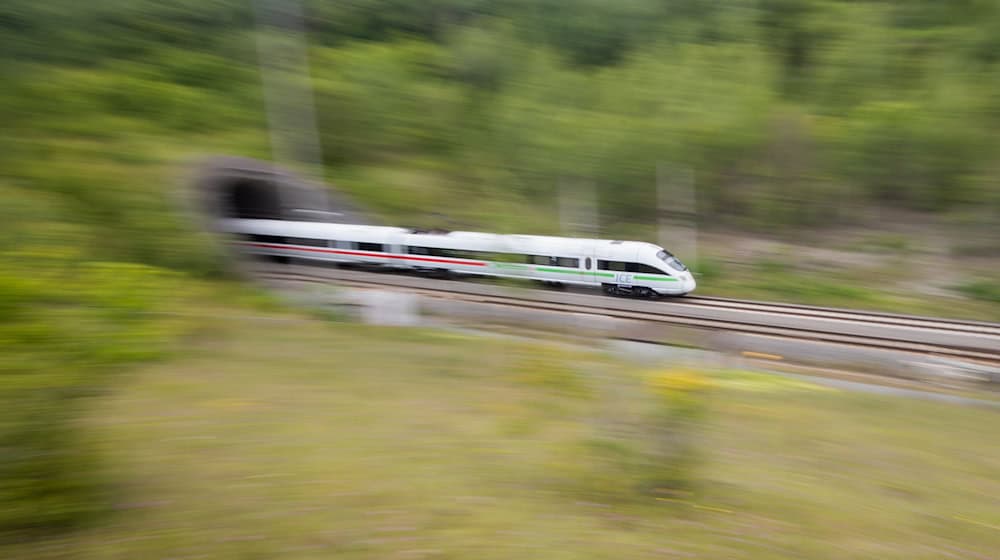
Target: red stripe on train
(363,254)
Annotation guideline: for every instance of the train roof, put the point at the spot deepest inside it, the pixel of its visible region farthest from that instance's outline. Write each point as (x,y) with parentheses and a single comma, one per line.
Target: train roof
(541,244)
(306,229)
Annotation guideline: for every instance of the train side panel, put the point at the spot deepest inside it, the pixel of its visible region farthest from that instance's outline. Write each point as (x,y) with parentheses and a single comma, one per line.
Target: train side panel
(623,265)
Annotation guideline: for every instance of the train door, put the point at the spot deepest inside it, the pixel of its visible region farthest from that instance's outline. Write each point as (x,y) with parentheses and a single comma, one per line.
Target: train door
(395,246)
(588,268)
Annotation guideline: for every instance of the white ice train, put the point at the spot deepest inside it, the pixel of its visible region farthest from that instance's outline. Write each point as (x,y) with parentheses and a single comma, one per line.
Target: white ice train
(619,267)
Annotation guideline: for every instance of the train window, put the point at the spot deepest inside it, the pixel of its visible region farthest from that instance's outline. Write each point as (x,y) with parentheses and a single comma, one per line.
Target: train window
(505,257)
(671,261)
(539,259)
(475,255)
(643,268)
(586,262)
(307,241)
(267,238)
(445,253)
(568,262)
(468,255)
(370,247)
(611,265)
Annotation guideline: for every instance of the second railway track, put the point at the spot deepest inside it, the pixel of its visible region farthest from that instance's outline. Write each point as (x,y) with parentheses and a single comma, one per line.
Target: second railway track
(971,341)
(870,317)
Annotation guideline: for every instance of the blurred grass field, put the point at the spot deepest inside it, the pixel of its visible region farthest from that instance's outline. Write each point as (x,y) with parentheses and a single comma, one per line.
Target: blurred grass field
(278,436)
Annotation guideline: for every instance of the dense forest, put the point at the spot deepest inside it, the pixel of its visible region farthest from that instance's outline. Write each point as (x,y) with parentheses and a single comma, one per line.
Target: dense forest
(789,114)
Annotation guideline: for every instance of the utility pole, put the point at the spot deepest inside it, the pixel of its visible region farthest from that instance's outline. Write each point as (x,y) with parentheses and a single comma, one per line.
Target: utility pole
(283,55)
(578,215)
(677,212)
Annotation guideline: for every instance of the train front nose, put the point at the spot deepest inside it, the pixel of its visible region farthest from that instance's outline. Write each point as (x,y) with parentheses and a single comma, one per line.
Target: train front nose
(688,283)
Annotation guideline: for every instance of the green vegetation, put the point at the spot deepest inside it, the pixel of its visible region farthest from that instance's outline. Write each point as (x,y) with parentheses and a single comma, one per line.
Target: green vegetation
(65,326)
(884,243)
(790,112)
(479,114)
(849,289)
(792,115)
(982,290)
(292,438)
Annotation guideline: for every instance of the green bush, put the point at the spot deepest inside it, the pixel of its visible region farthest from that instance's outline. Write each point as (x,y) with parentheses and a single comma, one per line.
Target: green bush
(983,290)
(64,326)
(647,443)
(674,429)
(707,269)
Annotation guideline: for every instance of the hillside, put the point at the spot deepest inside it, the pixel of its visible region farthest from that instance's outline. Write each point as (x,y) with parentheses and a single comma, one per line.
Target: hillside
(841,152)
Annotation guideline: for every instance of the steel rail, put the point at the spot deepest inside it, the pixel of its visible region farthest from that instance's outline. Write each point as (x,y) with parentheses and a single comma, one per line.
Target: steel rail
(869,317)
(798,310)
(548,301)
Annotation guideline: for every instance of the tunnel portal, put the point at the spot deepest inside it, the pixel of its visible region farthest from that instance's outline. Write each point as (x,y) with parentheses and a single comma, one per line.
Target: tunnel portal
(236,187)
(226,187)
(251,199)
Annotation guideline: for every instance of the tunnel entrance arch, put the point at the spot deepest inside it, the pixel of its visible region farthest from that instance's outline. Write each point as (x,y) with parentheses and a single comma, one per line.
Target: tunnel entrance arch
(251,198)
(221,188)
(236,187)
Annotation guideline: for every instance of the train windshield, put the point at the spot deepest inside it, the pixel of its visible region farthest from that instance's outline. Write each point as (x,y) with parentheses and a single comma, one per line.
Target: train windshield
(672,261)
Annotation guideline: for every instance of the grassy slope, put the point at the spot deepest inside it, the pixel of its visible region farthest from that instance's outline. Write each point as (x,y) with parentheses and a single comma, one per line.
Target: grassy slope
(283,437)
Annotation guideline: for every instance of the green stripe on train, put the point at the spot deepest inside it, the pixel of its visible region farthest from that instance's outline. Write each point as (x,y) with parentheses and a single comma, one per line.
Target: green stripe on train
(656,278)
(571,271)
(559,270)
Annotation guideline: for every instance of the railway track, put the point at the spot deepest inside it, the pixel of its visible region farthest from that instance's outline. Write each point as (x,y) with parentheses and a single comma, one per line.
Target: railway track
(868,317)
(969,341)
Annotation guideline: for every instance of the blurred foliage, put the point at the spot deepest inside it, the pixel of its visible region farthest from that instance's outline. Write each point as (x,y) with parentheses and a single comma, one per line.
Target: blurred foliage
(983,290)
(68,319)
(675,428)
(64,325)
(791,114)
(706,269)
(646,440)
(549,368)
(780,280)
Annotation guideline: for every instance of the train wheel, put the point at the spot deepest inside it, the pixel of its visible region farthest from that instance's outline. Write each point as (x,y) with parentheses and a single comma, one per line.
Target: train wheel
(645,293)
(610,289)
